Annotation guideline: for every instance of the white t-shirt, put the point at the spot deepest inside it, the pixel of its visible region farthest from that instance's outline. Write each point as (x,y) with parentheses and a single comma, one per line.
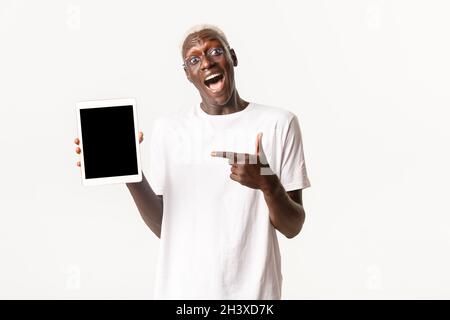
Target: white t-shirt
(217,241)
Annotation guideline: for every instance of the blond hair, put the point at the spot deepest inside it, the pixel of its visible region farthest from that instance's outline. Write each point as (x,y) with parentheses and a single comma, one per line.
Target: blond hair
(200,27)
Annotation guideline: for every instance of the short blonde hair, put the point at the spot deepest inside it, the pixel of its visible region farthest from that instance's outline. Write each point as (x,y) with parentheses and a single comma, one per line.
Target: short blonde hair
(201,27)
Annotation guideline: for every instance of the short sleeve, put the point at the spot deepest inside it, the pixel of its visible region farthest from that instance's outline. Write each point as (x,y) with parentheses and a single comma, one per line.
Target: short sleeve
(293,174)
(156,175)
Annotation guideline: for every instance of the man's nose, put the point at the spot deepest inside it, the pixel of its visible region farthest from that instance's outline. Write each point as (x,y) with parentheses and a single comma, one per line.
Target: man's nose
(206,62)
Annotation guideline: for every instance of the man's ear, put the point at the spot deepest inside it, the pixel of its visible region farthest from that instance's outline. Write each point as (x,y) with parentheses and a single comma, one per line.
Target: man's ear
(187,74)
(234,57)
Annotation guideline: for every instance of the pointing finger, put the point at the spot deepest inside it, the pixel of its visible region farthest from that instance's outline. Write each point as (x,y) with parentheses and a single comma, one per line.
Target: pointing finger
(243,158)
(224,154)
(235,157)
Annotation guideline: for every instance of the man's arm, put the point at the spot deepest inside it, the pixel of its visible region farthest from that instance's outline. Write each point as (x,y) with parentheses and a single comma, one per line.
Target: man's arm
(252,170)
(286,210)
(149,204)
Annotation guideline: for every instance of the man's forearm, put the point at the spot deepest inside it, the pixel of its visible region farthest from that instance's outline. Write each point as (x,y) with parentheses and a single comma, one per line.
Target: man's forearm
(150,206)
(286,215)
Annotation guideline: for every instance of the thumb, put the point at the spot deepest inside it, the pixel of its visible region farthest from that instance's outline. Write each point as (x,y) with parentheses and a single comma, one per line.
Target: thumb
(258,144)
(259,149)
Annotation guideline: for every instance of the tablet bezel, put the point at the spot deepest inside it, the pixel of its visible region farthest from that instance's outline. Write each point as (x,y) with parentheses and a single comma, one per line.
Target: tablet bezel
(103,104)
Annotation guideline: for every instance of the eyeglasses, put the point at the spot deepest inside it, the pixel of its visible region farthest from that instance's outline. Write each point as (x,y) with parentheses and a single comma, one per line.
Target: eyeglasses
(213,53)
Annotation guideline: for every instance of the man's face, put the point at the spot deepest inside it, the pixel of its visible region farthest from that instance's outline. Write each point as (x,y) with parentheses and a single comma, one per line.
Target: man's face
(209,66)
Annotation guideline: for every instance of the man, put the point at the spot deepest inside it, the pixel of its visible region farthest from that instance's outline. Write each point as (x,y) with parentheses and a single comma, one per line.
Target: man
(216,218)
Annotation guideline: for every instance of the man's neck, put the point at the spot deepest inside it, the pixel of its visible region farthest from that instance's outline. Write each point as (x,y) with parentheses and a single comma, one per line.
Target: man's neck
(235,104)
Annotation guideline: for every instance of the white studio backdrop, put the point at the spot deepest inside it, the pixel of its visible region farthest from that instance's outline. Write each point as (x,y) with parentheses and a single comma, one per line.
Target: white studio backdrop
(369,81)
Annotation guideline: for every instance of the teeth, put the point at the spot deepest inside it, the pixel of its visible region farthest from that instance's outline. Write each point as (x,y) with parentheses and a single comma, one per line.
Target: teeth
(212,76)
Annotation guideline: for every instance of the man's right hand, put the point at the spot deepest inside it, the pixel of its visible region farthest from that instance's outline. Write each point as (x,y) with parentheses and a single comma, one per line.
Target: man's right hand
(78,149)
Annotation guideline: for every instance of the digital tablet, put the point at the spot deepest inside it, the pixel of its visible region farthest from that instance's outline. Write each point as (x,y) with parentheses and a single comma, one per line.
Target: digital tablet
(109,141)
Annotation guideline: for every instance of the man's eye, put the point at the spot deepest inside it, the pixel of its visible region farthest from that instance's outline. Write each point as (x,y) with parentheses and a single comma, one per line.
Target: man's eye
(216,51)
(193,60)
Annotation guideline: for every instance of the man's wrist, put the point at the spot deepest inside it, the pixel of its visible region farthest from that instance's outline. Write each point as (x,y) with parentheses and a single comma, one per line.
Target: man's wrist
(271,185)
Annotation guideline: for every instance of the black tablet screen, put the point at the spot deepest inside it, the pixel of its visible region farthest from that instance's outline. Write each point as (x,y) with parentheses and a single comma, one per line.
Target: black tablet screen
(109,147)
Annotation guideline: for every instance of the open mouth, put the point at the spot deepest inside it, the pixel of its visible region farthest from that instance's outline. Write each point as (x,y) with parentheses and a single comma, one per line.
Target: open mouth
(214,82)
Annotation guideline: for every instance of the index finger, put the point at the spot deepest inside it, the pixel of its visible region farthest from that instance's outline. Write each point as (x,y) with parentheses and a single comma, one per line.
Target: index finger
(77,141)
(235,157)
(223,154)
(231,156)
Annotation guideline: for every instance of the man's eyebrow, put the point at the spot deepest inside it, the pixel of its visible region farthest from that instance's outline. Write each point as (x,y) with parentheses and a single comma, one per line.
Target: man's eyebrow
(191,50)
(194,42)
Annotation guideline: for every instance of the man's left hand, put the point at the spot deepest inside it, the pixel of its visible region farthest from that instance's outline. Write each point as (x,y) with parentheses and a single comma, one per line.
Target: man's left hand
(250,170)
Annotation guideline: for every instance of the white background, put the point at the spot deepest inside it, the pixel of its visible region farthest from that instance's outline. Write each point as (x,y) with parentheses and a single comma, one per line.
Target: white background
(369,81)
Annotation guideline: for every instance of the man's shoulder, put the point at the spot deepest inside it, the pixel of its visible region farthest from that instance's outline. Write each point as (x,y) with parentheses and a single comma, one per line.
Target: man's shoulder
(281,115)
